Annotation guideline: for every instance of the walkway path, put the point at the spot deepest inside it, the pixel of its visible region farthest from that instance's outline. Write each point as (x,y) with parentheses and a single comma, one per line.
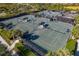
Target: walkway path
(9,48)
(13,45)
(4,42)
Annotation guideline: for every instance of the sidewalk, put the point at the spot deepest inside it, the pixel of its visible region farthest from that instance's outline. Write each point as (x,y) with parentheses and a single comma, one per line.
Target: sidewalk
(9,48)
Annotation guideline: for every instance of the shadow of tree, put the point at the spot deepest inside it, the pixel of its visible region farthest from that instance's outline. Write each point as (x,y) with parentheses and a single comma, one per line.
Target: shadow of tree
(30,36)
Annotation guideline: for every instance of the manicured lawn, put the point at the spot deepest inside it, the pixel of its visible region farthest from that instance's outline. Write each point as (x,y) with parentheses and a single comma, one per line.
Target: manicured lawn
(71,44)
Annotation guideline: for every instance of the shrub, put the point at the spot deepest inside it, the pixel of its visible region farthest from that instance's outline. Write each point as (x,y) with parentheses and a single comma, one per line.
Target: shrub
(71,45)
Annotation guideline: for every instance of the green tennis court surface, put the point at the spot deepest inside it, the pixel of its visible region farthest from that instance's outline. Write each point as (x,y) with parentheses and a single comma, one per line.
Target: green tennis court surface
(55,38)
(50,39)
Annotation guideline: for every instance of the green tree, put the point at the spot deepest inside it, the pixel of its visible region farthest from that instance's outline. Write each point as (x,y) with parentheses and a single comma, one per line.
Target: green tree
(23,50)
(16,33)
(75,31)
(77,19)
(49,53)
(71,45)
(2,25)
(62,52)
(3,51)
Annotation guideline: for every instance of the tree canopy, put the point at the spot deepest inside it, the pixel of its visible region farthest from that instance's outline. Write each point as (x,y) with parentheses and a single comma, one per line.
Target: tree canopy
(62,52)
(75,31)
(77,19)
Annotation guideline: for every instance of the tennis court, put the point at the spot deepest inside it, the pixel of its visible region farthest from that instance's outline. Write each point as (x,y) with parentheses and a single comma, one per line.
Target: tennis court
(53,38)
